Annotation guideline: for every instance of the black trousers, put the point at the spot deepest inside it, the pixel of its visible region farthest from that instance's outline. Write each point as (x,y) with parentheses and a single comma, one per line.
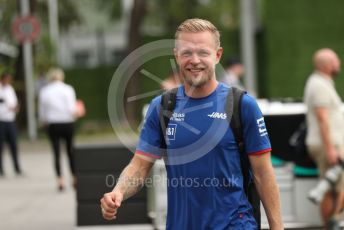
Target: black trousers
(56,133)
(8,133)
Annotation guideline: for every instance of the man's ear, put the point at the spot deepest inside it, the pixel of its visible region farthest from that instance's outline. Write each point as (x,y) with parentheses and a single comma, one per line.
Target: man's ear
(219,54)
(175,52)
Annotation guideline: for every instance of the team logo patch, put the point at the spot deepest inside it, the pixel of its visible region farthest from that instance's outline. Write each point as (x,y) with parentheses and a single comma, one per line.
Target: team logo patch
(177,117)
(217,115)
(262,127)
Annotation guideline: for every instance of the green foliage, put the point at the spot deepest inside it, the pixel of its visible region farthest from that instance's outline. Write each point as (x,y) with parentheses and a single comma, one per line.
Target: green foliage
(7,7)
(294,30)
(170,13)
(45,49)
(91,85)
(7,66)
(68,13)
(45,54)
(7,13)
(114,7)
(160,67)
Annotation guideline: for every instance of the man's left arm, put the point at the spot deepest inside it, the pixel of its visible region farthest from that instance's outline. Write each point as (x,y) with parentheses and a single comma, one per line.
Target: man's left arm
(267,188)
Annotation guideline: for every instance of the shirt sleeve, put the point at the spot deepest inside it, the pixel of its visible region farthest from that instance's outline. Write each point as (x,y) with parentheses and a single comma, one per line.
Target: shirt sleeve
(71,100)
(256,138)
(151,136)
(12,100)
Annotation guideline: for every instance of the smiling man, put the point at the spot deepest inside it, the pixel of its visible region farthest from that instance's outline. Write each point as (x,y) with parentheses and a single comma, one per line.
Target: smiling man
(202,158)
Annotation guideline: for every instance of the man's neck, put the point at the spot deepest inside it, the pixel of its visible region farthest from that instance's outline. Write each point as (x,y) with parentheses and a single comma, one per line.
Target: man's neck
(203,91)
(325,75)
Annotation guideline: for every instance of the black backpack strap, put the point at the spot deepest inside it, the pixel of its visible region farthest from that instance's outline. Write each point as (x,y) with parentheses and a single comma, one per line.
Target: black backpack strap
(168,103)
(233,110)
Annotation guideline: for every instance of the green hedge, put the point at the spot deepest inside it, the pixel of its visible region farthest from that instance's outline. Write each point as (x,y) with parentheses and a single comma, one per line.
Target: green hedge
(293,31)
(91,85)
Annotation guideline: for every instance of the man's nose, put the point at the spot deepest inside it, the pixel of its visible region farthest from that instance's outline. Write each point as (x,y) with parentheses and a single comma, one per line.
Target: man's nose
(194,59)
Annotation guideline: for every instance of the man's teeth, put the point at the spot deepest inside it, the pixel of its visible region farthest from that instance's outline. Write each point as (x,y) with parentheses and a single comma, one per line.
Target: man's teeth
(195,70)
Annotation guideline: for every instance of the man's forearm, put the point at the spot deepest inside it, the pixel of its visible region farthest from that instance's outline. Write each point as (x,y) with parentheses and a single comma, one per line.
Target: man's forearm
(269,194)
(133,176)
(129,182)
(324,126)
(325,134)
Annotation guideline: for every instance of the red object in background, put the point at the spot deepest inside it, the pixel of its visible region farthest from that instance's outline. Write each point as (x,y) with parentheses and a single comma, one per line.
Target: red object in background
(26,29)
(80,109)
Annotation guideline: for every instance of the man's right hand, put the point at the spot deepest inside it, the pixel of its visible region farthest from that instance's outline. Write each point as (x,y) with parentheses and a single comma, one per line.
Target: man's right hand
(110,203)
(332,156)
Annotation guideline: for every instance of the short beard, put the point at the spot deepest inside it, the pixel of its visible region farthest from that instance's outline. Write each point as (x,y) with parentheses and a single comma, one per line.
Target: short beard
(197,83)
(335,73)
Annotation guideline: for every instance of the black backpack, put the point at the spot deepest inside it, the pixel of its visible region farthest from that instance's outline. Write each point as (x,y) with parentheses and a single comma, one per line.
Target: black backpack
(233,110)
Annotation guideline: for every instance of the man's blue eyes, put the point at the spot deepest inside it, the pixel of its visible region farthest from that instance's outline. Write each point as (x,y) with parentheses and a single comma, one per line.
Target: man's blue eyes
(202,54)
(186,54)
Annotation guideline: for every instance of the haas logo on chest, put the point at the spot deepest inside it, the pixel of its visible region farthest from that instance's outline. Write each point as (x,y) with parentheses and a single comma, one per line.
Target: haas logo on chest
(217,115)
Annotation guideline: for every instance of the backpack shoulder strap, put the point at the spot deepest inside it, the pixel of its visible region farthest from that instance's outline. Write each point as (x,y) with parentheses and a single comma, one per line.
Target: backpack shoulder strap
(233,109)
(168,103)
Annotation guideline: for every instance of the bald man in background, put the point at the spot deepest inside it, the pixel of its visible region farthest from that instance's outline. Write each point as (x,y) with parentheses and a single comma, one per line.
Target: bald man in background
(325,122)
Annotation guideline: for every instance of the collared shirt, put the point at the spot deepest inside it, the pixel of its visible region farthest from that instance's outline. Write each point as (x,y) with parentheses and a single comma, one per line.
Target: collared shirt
(57,103)
(204,178)
(320,92)
(8,103)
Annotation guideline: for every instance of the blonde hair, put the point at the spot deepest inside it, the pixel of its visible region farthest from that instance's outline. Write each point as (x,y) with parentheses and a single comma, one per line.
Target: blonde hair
(195,25)
(55,74)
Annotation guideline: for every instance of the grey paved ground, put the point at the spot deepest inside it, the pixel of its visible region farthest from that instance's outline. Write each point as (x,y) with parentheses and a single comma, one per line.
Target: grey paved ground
(31,201)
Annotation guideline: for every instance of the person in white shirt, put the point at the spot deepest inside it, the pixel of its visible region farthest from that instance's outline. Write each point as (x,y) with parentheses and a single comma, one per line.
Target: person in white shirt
(8,132)
(57,112)
(172,80)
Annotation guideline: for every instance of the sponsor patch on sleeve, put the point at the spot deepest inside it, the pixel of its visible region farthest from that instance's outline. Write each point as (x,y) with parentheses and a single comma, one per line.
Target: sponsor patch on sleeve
(262,127)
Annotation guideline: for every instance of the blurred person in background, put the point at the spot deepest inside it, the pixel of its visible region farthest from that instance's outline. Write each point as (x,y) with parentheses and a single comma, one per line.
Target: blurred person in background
(325,123)
(8,131)
(40,82)
(57,113)
(172,80)
(234,72)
